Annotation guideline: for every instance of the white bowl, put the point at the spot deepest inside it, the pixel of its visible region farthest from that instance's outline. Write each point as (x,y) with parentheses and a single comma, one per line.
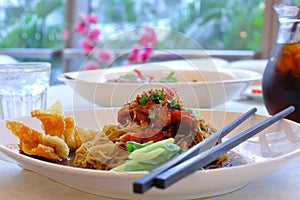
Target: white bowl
(256,65)
(270,150)
(215,85)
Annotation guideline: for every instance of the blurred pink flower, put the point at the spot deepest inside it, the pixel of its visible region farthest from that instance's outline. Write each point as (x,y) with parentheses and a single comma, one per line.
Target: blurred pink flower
(66,33)
(140,54)
(144,53)
(148,38)
(94,35)
(90,65)
(147,53)
(82,28)
(86,45)
(104,56)
(134,56)
(91,18)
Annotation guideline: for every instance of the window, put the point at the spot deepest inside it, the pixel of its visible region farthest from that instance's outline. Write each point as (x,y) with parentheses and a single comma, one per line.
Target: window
(219,26)
(228,24)
(31,23)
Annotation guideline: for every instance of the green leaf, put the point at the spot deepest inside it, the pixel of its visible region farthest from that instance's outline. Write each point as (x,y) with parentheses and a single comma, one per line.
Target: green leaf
(44,8)
(152,159)
(128,76)
(141,156)
(156,97)
(132,145)
(151,147)
(169,79)
(173,104)
(171,151)
(143,100)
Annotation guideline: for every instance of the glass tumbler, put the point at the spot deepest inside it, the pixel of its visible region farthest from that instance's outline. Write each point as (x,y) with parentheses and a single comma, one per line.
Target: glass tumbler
(23,88)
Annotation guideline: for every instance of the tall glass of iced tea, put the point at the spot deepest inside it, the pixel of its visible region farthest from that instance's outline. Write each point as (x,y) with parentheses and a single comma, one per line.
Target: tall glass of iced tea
(281,79)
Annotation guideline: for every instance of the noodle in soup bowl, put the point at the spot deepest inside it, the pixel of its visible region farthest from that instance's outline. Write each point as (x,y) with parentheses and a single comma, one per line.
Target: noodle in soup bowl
(201,83)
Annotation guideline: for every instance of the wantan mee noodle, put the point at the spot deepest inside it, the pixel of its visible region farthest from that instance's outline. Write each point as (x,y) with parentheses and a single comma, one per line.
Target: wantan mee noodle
(154,115)
(100,153)
(154,126)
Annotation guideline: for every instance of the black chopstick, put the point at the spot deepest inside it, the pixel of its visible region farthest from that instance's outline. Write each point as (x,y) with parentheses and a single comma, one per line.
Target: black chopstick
(144,183)
(172,175)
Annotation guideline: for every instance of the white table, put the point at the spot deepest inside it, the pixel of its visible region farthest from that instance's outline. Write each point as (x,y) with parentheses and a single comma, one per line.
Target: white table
(16,183)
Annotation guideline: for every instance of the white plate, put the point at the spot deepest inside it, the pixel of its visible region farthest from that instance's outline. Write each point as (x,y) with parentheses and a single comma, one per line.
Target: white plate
(250,94)
(215,85)
(270,150)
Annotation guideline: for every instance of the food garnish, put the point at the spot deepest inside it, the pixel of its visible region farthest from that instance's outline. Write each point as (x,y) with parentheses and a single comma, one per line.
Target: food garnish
(151,156)
(256,91)
(139,77)
(169,79)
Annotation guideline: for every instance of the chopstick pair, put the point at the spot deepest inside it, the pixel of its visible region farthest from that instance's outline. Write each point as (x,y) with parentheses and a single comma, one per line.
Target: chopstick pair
(202,153)
(144,183)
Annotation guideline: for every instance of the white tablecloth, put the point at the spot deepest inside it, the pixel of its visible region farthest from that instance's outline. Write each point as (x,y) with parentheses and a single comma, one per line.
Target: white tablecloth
(16,183)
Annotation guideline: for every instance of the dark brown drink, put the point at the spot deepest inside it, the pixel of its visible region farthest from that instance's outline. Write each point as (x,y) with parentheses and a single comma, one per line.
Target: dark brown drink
(281,80)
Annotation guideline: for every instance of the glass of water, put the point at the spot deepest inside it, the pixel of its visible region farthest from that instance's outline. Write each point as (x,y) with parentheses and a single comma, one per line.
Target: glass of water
(23,88)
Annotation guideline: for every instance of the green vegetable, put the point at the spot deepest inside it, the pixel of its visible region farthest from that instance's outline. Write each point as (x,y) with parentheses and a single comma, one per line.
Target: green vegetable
(146,156)
(151,147)
(156,97)
(151,156)
(173,104)
(143,100)
(128,76)
(170,151)
(169,79)
(132,146)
